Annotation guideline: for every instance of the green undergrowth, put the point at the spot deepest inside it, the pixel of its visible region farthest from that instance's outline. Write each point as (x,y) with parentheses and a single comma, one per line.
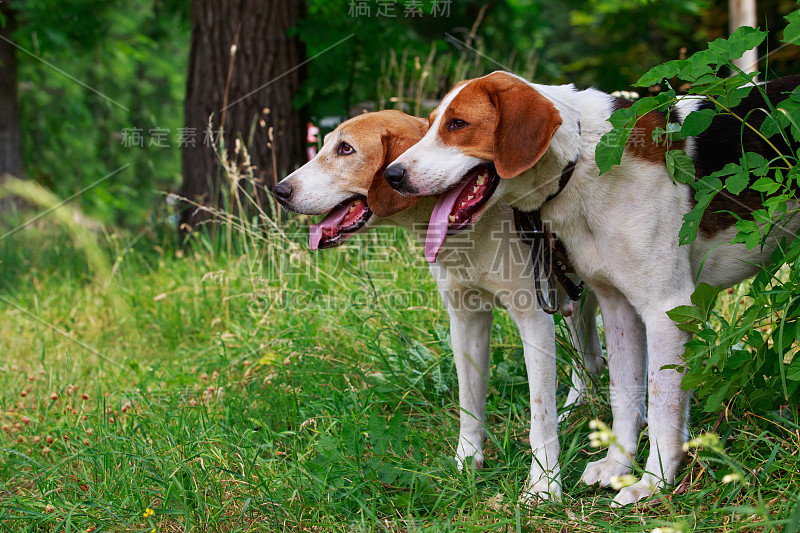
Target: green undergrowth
(255,386)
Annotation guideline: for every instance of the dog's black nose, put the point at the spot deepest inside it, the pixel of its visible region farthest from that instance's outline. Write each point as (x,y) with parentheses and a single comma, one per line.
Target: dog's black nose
(395,174)
(282,191)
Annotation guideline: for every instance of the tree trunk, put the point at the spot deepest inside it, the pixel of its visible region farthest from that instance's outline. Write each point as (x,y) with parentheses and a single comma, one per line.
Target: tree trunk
(743,13)
(10,155)
(241,77)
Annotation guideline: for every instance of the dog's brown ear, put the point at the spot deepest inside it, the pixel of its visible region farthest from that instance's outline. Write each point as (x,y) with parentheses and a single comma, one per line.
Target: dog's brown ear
(526,122)
(381,198)
(385,201)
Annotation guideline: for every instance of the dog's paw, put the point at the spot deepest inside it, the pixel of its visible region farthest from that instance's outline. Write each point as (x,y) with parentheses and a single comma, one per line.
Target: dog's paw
(474,459)
(546,489)
(542,485)
(469,451)
(638,491)
(600,472)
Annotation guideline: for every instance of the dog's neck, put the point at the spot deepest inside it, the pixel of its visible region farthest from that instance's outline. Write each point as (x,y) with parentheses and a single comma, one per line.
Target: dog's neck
(528,191)
(414,219)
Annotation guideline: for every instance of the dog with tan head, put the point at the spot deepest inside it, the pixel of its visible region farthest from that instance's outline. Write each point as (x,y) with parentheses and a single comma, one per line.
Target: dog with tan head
(344,182)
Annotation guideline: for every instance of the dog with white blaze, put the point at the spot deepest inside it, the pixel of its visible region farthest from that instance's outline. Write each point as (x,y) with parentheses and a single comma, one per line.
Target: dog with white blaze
(620,230)
(344,182)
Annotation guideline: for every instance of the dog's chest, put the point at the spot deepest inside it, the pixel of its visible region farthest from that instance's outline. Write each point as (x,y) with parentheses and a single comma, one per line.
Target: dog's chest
(585,243)
(495,271)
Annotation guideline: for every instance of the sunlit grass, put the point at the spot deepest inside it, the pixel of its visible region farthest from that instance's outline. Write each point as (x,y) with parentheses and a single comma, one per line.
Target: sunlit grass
(263,388)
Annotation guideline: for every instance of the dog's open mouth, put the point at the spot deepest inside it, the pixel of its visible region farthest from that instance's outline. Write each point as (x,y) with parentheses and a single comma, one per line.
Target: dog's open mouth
(340,223)
(457,208)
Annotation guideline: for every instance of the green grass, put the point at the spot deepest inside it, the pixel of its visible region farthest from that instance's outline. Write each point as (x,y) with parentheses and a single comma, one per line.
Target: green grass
(264,388)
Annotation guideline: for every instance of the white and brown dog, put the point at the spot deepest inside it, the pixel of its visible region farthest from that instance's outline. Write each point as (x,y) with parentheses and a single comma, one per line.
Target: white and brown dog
(345,183)
(620,229)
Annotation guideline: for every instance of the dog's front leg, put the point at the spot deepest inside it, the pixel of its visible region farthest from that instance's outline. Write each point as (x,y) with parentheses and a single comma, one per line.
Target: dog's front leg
(470,331)
(668,405)
(626,346)
(538,341)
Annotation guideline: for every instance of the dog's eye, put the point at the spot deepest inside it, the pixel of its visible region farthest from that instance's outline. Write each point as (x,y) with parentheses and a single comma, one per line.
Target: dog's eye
(345,149)
(457,124)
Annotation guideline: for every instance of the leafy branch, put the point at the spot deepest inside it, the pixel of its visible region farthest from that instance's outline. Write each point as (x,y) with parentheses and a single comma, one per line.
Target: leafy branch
(750,358)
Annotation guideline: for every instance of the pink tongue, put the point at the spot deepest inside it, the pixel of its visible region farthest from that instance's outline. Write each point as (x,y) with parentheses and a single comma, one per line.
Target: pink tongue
(331,220)
(437,227)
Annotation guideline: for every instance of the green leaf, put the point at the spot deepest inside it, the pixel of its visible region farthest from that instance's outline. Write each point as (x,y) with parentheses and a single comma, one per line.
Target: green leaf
(327,446)
(738,181)
(680,166)
(439,384)
(657,74)
(738,358)
(610,149)
(685,313)
(791,34)
(696,122)
(733,97)
(755,162)
(704,297)
(698,67)
(746,226)
(793,370)
(688,317)
(398,432)
(727,170)
(752,240)
(740,41)
(788,114)
(765,185)
(776,204)
(706,188)
(672,133)
(376,428)
(691,223)
(717,397)
(761,216)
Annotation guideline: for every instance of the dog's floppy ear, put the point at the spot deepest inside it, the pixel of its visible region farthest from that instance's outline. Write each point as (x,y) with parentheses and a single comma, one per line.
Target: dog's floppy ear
(526,122)
(381,198)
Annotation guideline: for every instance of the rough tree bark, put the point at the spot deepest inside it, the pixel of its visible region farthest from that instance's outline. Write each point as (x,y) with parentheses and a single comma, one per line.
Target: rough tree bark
(10,155)
(247,91)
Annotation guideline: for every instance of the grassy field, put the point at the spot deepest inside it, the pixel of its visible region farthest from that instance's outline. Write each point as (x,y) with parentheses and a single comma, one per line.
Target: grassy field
(260,387)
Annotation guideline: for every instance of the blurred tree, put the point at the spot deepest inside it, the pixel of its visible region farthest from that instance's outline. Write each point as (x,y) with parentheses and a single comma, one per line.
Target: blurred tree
(606,44)
(87,71)
(744,13)
(94,75)
(10,154)
(244,70)
(384,37)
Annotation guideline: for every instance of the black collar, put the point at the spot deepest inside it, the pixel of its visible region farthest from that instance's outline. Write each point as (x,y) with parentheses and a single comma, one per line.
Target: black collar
(547,251)
(566,173)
